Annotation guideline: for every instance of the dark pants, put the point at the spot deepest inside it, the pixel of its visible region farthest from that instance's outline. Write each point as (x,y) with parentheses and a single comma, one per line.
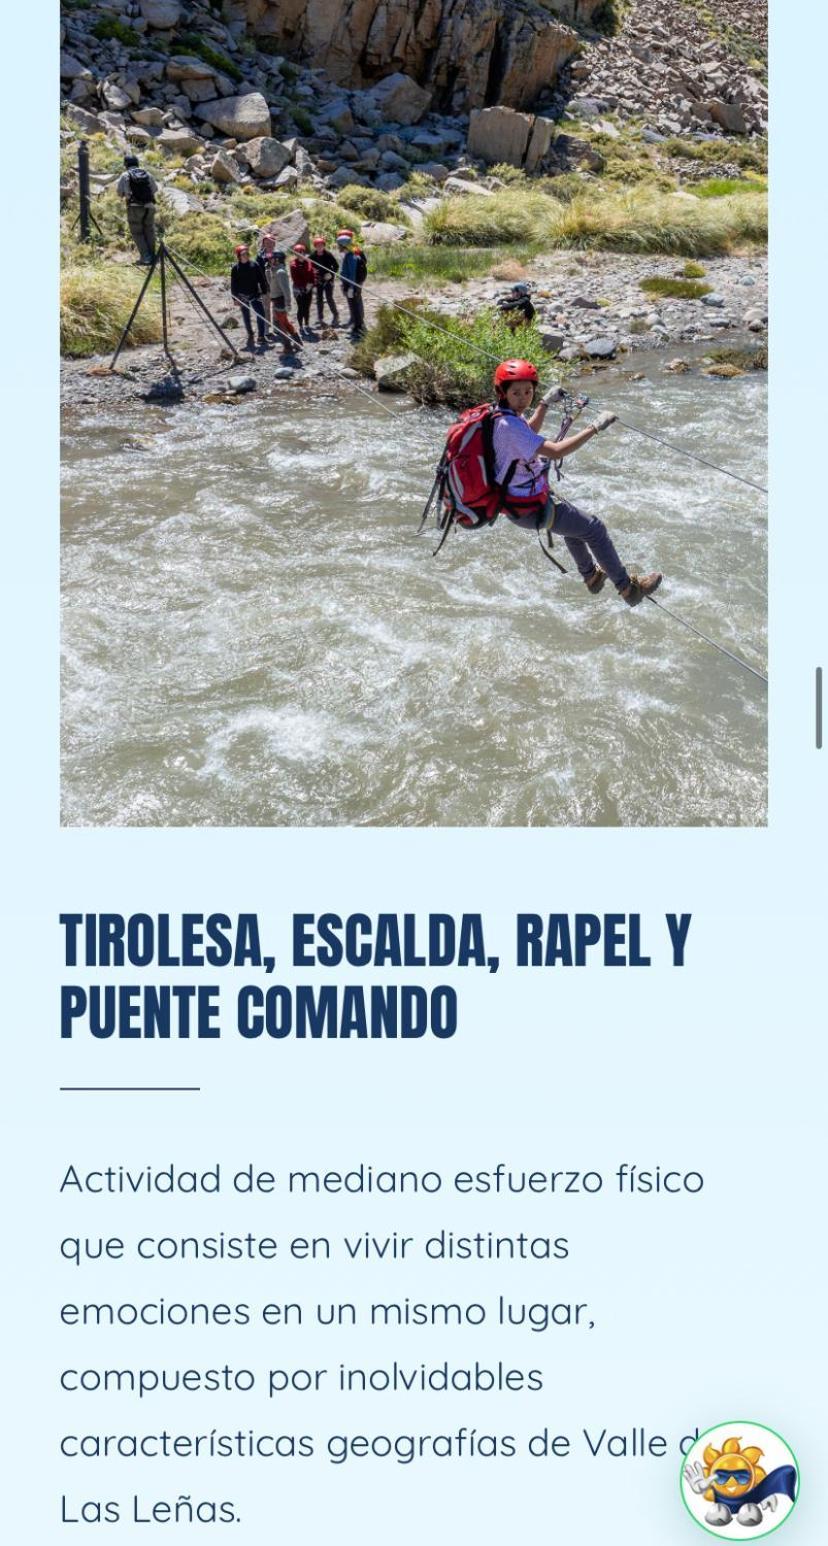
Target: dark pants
(325,292)
(585,536)
(303,306)
(356,309)
(250,304)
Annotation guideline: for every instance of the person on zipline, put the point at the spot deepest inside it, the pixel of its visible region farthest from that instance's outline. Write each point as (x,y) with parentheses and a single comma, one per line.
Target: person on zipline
(521,452)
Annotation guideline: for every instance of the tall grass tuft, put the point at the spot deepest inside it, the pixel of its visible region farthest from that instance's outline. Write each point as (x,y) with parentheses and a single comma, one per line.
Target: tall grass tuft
(95,302)
(512,215)
(633,220)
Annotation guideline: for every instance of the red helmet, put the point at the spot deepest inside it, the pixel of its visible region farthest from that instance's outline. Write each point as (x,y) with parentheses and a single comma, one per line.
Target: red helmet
(319,241)
(300,247)
(514,370)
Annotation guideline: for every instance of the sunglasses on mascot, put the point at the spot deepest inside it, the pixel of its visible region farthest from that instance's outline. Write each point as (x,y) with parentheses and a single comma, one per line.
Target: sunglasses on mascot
(723,1477)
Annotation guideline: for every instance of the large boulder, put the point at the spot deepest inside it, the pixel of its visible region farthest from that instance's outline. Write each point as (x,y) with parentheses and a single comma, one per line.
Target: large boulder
(266,157)
(540,143)
(185,67)
(82,119)
(465,185)
(392,372)
(400,100)
(179,142)
(243,118)
(70,67)
(181,202)
(161,13)
(290,229)
(223,169)
(519,139)
(499,134)
(382,233)
(727,115)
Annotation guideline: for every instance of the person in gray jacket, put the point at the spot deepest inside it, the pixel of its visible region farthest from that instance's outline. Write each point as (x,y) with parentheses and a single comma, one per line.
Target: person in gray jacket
(279,299)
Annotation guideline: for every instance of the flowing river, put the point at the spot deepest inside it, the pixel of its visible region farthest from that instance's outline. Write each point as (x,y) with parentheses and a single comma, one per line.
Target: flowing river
(252,635)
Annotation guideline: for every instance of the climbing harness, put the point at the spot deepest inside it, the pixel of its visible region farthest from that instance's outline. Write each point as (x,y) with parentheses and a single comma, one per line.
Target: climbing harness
(573,406)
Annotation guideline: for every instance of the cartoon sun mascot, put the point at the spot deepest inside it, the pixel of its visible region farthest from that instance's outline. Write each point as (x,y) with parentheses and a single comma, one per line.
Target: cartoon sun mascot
(732,1480)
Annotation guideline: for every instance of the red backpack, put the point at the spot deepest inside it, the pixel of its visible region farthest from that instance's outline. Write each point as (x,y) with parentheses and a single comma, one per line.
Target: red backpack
(469,488)
(466,483)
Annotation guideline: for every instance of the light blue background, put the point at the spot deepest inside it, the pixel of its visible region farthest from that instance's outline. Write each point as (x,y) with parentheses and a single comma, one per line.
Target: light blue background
(703,1308)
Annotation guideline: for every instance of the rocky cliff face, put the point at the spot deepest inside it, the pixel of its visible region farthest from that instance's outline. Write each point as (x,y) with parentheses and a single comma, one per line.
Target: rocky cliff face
(469,53)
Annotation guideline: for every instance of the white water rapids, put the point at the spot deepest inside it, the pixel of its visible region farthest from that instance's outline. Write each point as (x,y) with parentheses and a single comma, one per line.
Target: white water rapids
(253,636)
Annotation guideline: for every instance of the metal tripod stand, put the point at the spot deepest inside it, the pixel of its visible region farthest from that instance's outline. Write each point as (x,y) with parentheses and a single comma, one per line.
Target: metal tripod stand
(162,257)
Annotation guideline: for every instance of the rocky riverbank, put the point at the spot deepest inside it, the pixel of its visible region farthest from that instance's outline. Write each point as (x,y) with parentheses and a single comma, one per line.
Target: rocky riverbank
(591,310)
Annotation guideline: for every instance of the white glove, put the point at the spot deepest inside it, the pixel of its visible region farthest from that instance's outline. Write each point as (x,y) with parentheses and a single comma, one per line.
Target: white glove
(603,421)
(696,1478)
(555,394)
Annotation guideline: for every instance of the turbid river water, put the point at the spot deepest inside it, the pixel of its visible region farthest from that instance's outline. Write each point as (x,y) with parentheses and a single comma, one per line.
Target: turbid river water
(253,636)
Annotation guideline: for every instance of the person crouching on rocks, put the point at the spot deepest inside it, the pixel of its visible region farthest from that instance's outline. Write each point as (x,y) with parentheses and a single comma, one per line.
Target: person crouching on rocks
(302,277)
(325,267)
(521,454)
(516,308)
(278,282)
(353,272)
(248,287)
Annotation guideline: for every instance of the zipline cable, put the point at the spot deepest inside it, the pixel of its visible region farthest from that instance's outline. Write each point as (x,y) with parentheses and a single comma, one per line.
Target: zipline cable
(691,627)
(712,642)
(469,343)
(278,332)
(682,451)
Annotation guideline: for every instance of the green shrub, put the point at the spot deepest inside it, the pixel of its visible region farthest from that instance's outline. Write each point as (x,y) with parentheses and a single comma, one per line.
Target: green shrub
(722,187)
(302,118)
(95,303)
(372,203)
(751,155)
(194,43)
(745,358)
(205,240)
(447,265)
(456,357)
(677,289)
(693,270)
(610,17)
(507,173)
(110,29)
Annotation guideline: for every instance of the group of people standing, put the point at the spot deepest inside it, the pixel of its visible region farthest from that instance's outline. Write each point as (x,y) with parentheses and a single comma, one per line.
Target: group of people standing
(266,287)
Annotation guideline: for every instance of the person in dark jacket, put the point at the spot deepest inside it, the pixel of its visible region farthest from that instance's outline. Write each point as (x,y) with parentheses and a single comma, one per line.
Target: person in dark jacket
(325,267)
(516,308)
(139,189)
(303,279)
(247,286)
(353,272)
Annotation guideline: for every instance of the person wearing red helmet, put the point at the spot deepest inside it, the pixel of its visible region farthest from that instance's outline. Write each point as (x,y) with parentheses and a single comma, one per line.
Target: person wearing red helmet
(302,277)
(325,267)
(248,287)
(522,454)
(352,275)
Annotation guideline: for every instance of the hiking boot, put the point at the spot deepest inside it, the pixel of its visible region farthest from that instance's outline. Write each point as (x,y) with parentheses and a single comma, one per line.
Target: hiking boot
(596,581)
(640,585)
